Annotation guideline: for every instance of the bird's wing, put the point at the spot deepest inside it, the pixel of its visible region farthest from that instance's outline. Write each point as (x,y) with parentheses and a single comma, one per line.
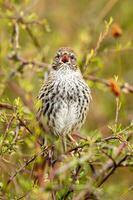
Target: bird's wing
(43,96)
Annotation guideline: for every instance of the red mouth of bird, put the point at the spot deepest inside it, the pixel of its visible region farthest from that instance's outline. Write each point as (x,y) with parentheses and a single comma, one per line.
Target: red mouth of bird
(65,58)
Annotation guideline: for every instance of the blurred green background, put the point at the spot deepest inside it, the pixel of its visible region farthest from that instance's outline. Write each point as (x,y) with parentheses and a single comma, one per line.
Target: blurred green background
(77,24)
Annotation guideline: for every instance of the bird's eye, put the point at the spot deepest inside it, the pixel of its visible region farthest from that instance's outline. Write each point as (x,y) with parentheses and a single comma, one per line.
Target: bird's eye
(57,56)
(72,57)
(54,67)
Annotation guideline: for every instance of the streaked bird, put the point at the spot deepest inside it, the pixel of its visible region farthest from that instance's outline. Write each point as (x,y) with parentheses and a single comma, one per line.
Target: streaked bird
(65,96)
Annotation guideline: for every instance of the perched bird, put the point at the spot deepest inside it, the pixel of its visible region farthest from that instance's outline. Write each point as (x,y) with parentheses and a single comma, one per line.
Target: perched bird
(65,96)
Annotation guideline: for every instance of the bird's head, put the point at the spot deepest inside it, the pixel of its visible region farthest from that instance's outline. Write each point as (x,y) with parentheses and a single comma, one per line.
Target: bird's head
(65,57)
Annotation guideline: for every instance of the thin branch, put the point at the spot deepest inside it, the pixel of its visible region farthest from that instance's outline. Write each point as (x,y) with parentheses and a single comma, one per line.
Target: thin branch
(110,157)
(125,88)
(6,132)
(6,106)
(106,171)
(24,124)
(117,111)
(88,58)
(112,170)
(74,178)
(15,36)
(16,132)
(20,92)
(24,62)
(25,165)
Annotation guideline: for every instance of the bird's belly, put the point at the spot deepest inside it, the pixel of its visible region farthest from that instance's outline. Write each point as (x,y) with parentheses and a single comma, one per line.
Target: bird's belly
(65,118)
(69,106)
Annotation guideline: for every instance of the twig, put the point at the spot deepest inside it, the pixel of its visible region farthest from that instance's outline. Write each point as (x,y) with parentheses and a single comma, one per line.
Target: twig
(15,36)
(117,111)
(107,170)
(110,157)
(6,106)
(125,88)
(26,127)
(25,165)
(61,157)
(20,92)
(22,123)
(16,132)
(112,170)
(109,164)
(75,177)
(87,59)
(6,132)
(90,194)
(34,39)
(24,62)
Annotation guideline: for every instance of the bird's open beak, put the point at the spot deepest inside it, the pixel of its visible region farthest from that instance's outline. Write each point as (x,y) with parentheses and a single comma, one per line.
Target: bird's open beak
(65,58)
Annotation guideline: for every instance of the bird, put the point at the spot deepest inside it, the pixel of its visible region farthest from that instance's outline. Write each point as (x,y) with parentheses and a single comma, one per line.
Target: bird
(64,96)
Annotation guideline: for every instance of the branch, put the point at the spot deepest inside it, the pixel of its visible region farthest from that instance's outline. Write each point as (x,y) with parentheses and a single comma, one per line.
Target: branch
(74,178)
(24,62)
(7,106)
(112,170)
(107,170)
(125,88)
(109,164)
(26,164)
(87,58)
(6,132)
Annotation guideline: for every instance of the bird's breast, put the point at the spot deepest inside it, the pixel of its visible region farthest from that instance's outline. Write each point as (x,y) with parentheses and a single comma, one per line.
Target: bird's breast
(66,102)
